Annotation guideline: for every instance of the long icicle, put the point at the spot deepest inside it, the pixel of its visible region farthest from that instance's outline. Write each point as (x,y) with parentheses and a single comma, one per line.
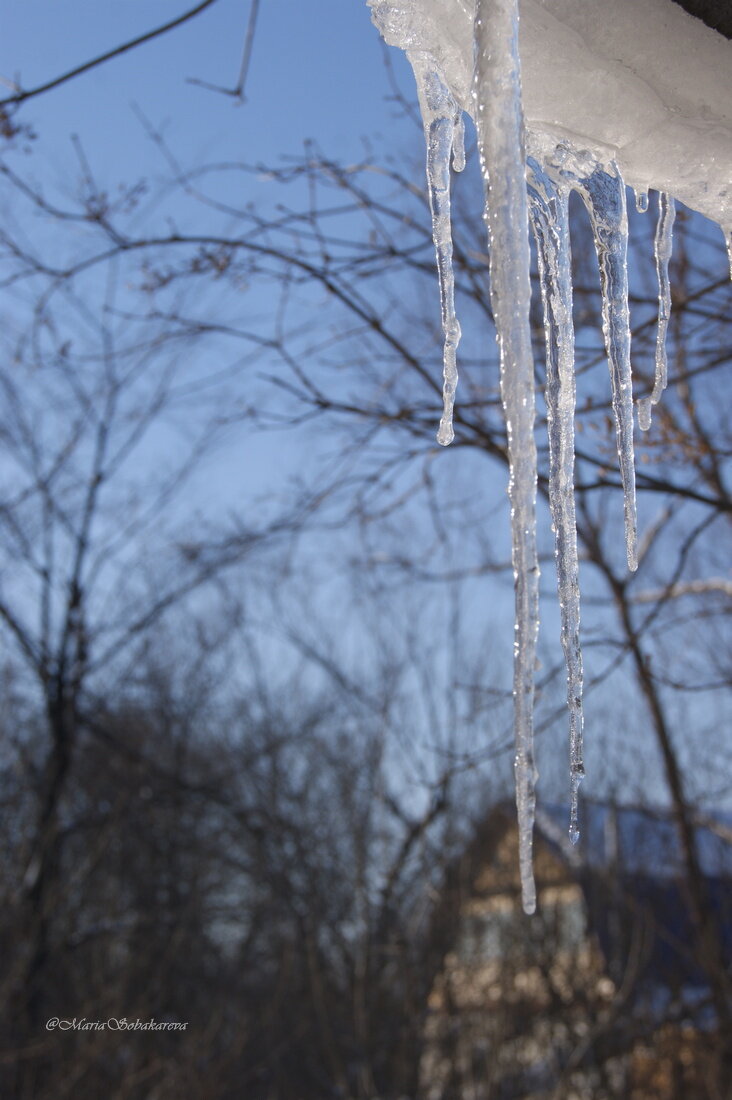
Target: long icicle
(549,209)
(443,131)
(663,245)
(604,197)
(499,115)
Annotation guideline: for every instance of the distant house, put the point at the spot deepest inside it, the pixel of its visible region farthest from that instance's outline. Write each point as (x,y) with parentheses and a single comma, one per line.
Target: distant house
(602,993)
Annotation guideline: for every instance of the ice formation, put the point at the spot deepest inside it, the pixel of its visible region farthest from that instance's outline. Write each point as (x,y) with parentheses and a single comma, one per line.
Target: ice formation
(662,246)
(501,143)
(445,139)
(575,97)
(549,206)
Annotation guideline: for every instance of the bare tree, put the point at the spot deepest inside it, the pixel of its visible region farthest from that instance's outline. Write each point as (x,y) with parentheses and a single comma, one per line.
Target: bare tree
(131,353)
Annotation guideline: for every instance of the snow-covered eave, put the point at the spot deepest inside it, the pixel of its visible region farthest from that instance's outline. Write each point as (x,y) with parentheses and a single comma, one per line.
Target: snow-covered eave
(637,82)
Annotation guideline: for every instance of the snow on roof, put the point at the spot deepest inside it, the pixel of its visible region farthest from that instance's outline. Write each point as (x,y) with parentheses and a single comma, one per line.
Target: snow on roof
(641,83)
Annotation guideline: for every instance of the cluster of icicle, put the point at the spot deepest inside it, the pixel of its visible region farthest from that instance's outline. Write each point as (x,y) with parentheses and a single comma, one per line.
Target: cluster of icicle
(523,191)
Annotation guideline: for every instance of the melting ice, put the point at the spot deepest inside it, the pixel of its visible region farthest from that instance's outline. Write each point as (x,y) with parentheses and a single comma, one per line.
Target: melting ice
(662,246)
(445,139)
(522,190)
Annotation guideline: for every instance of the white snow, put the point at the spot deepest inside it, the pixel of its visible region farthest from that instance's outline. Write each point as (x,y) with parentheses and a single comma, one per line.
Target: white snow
(599,94)
(640,84)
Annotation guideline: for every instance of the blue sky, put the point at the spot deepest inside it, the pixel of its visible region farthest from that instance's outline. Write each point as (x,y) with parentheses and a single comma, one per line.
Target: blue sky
(317,72)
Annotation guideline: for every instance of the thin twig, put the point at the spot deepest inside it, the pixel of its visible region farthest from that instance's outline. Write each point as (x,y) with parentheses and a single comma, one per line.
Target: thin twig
(238,91)
(20,96)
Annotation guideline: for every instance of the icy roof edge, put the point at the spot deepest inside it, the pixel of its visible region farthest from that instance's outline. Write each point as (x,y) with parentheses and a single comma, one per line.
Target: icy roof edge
(638,82)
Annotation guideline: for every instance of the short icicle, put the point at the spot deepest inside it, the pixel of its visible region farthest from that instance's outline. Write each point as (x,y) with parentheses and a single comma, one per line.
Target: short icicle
(499,116)
(604,197)
(662,247)
(444,137)
(641,201)
(549,208)
(458,144)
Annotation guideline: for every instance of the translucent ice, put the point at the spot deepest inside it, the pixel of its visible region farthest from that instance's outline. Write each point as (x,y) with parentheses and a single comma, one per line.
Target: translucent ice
(643,95)
(604,196)
(641,201)
(549,206)
(444,136)
(643,85)
(663,245)
(500,141)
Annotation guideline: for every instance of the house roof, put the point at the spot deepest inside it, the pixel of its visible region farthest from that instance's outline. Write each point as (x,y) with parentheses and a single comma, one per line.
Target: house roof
(629,866)
(638,839)
(629,862)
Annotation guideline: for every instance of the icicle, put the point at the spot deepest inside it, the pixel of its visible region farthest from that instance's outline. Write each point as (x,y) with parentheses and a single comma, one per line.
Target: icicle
(604,197)
(641,201)
(663,245)
(429,28)
(444,136)
(644,413)
(499,117)
(549,209)
(458,144)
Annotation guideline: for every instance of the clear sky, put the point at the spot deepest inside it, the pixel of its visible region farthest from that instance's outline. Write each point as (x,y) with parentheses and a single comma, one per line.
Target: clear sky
(317,72)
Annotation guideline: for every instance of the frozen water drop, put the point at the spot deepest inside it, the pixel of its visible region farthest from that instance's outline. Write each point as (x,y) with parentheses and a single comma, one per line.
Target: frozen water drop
(458,144)
(641,201)
(644,413)
(574,829)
